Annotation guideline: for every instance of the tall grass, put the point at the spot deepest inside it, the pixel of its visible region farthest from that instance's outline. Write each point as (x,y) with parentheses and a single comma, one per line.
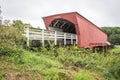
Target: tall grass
(66,63)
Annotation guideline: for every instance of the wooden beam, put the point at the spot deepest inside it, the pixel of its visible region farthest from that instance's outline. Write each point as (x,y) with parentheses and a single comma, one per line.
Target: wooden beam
(63,25)
(55,23)
(106,50)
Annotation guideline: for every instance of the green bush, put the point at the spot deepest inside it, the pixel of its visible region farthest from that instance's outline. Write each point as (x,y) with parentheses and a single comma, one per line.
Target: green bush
(11,35)
(11,53)
(6,49)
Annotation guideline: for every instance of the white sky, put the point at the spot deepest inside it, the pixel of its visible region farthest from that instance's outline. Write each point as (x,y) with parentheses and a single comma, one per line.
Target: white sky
(100,12)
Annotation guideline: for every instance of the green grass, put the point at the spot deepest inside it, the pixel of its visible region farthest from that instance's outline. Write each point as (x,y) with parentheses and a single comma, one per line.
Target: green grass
(116,49)
(61,63)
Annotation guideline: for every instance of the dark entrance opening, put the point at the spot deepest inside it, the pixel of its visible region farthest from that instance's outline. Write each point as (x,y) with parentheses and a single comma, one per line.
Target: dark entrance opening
(62,25)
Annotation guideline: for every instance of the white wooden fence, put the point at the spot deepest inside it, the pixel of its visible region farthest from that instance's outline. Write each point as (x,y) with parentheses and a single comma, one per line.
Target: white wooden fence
(42,34)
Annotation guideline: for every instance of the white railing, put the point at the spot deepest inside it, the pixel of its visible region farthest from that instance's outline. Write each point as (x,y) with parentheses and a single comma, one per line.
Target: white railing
(42,34)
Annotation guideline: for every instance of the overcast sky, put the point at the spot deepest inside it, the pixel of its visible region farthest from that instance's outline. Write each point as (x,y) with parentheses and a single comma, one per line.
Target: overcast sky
(100,12)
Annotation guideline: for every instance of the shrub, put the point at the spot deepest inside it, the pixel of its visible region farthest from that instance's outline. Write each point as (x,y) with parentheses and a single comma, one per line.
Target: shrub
(11,35)
(6,49)
(11,53)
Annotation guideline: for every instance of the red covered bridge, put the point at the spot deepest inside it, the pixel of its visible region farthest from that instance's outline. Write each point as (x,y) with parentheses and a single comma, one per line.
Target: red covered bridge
(69,28)
(88,34)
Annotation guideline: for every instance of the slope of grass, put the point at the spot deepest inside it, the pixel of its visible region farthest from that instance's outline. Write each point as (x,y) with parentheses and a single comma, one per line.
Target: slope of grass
(41,67)
(60,63)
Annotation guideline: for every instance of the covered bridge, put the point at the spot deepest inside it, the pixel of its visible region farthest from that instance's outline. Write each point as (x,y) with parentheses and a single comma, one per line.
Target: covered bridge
(69,28)
(88,34)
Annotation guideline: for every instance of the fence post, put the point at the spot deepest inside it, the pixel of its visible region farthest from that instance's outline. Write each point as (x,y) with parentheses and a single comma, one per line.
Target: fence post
(43,37)
(76,40)
(71,39)
(27,35)
(64,38)
(55,38)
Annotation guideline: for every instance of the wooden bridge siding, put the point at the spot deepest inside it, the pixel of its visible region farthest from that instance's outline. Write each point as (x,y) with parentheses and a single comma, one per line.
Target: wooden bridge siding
(41,34)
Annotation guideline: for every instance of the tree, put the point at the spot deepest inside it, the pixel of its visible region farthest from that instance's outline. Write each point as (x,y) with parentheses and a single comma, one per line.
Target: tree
(11,35)
(20,25)
(113,34)
(115,39)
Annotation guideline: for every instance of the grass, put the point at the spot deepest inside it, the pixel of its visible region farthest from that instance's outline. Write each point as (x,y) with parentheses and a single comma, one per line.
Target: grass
(62,63)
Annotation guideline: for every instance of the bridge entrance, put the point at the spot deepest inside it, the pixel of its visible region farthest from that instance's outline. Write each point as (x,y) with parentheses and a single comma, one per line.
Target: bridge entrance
(62,25)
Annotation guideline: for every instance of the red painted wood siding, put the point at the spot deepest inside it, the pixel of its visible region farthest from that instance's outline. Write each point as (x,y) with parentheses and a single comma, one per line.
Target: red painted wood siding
(89,35)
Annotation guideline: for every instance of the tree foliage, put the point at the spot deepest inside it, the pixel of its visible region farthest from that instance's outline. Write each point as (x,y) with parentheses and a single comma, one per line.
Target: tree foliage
(113,34)
(11,36)
(20,25)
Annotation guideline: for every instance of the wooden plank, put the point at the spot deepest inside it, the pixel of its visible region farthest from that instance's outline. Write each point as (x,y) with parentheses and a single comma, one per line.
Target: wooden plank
(55,23)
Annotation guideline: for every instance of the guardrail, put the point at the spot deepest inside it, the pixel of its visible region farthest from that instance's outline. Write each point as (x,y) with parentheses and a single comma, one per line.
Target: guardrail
(42,34)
